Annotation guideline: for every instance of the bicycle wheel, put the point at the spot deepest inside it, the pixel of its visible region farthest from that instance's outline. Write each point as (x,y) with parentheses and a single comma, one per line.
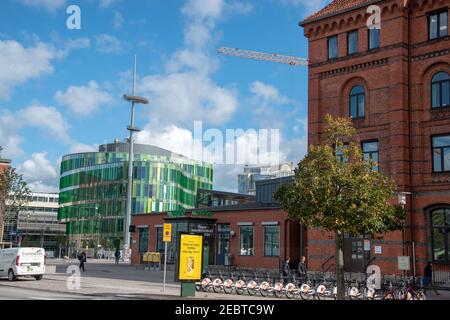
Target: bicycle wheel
(228,286)
(264,289)
(217,288)
(290,291)
(240,285)
(278,290)
(251,288)
(420,295)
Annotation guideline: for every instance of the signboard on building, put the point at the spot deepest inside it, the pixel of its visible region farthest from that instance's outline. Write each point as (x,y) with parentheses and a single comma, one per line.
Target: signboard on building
(167,232)
(202,228)
(366,245)
(190,257)
(202,214)
(378,250)
(176,213)
(403,263)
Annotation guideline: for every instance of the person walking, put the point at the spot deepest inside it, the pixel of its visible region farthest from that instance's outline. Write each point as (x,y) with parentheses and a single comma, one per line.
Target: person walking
(82,259)
(428,278)
(117,255)
(286,270)
(303,269)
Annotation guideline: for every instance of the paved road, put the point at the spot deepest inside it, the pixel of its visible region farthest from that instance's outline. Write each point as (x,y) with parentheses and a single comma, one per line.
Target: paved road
(102,280)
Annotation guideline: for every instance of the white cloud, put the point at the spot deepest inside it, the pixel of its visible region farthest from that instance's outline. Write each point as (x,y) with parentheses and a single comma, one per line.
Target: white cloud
(186,91)
(109,44)
(19,64)
(46,118)
(171,138)
(10,140)
(40,174)
(118,20)
(81,148)
(50,5)
(181,98)
(83,100)
(38,167)
(265,94)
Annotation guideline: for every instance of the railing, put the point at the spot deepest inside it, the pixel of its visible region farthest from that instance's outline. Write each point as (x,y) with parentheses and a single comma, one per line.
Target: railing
(322,267)
(441,275)
(370,262)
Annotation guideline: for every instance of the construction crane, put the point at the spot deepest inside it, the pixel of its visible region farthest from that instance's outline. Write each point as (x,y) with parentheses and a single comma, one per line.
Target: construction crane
(251,54)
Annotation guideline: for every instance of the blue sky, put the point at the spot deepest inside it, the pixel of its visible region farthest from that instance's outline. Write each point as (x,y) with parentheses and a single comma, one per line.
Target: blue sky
(61,90)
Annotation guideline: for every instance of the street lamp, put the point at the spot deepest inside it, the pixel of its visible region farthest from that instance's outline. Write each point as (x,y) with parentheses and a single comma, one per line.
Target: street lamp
(134,100)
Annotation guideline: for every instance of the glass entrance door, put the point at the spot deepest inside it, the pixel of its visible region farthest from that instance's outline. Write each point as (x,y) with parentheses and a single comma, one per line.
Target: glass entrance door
(355,257)
(223,243)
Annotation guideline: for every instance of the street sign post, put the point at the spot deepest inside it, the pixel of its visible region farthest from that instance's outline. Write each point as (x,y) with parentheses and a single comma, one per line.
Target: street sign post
(167,237)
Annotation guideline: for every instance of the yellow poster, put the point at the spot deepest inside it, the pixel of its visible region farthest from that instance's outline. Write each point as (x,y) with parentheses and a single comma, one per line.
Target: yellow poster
(167,232)
(191,251)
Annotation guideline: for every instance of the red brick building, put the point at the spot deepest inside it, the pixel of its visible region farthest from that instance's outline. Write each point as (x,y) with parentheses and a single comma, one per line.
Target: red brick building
(257,233)
(224,229)
(394,83)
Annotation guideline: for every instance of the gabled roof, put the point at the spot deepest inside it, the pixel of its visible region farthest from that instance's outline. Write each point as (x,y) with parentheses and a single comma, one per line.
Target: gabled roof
(336,6)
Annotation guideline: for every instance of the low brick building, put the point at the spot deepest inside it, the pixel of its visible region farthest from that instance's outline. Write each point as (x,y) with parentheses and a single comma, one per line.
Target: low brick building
(258,234)
(394,83)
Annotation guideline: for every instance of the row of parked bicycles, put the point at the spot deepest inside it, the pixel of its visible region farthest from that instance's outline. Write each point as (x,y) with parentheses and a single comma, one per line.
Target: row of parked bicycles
(309,286)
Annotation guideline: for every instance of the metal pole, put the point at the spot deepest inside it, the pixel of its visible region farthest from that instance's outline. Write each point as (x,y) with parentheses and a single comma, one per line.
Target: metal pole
(165,263)
(130,170)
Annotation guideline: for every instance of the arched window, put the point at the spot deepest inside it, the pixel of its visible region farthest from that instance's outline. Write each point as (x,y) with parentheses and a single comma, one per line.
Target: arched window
(357,102)
(440,231)
(440,90)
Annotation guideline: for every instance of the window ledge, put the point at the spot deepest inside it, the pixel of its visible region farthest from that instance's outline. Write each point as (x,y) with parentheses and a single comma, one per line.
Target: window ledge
(440,113)
(441,177)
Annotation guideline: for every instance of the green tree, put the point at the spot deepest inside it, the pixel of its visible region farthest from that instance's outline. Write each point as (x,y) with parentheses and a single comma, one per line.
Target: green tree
(14,193)
(336,189)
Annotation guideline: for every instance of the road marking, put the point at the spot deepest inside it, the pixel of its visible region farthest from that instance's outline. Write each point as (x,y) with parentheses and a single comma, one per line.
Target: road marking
(41,298)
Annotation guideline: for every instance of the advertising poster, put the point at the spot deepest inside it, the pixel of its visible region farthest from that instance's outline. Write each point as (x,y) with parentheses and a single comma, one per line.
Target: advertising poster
(190,262)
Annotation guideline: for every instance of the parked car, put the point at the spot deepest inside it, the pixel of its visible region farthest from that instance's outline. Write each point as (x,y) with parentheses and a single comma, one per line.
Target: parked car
(22,262)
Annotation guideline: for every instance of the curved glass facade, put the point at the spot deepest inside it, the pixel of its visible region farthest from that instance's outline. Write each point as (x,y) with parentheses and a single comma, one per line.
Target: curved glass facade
(93,190)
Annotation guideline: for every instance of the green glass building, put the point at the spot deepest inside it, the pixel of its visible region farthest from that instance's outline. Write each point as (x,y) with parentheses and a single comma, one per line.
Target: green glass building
(93,190)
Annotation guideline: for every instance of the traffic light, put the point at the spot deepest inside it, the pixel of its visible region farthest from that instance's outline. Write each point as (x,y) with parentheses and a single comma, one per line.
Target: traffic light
(132,229)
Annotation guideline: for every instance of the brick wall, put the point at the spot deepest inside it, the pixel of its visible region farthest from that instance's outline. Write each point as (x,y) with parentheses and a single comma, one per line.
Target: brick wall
(384,75)
(289,235)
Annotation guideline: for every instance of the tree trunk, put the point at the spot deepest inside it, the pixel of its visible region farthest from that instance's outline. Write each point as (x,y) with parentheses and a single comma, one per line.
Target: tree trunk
(340,280)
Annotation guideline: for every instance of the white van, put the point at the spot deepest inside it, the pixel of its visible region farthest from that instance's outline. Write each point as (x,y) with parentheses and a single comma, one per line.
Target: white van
(22,262)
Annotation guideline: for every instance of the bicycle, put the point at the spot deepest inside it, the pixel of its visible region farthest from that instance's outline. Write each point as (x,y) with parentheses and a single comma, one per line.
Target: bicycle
(307,291)
(252,286)
(217,283)
(265,286)
(228,284)
(240,285)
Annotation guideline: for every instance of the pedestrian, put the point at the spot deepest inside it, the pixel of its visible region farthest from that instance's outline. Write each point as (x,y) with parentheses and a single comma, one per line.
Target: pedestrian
(428,278)
(82,259)
(302,268)
(286,269)
(117,255)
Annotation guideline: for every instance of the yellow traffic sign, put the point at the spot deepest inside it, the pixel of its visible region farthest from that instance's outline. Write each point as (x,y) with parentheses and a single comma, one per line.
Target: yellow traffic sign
(167,232)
